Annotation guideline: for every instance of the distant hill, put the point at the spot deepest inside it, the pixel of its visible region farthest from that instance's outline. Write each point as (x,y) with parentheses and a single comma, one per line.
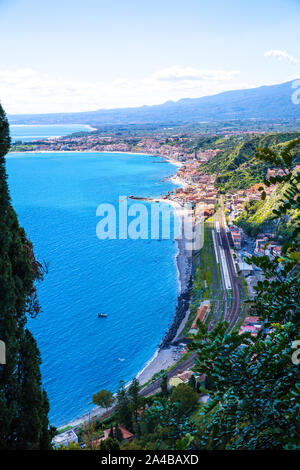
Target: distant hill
(266,102)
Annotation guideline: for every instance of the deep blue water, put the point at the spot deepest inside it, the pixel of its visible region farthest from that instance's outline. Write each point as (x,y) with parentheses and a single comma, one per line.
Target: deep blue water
(133,281)
(26,133)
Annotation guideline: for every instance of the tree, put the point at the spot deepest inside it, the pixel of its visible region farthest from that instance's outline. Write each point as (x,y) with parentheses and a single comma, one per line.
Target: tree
(185,396)
(33,404)
(109,445)
(70,446)
(23,403)
(111,432)
(89,435)
(103,398)
(164,385)
(193,382)
(166,421)
(131,446)
(134,397)
(118,433)
(256,399)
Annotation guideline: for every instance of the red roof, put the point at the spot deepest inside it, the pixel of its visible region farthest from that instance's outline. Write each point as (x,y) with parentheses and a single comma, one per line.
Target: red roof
(127,435)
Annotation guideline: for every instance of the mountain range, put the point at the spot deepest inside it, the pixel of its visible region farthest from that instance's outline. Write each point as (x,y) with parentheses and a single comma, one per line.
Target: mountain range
(265,102)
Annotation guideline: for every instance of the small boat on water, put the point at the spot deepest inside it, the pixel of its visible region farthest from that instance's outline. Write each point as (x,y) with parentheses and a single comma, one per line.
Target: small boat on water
(102,315)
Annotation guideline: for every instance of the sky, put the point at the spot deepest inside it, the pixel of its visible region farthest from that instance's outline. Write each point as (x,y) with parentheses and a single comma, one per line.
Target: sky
(75,55)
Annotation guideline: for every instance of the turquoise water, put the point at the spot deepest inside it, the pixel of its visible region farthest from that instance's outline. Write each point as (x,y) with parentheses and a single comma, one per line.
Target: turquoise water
(26,133)
(133,281)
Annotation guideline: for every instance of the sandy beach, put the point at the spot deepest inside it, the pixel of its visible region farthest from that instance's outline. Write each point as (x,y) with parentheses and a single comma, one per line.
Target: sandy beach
(167,355)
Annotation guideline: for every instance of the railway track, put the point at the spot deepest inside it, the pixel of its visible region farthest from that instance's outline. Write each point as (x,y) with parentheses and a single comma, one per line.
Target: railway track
(233,314)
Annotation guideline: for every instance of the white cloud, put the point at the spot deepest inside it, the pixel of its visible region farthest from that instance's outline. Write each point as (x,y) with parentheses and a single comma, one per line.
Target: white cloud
(281,55)
(28,91)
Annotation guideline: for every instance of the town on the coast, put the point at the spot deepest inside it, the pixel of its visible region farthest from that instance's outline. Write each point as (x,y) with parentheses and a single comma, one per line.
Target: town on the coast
(149,229)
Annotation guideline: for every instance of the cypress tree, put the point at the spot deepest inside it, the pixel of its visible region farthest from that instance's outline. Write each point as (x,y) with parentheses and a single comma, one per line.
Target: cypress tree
(164,385)
(134,396)
(123,407)
(23,403)
(111,432)
(109,445)
(118,434)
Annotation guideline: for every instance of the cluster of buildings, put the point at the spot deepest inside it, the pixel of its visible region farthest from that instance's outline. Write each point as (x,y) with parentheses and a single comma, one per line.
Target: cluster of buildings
(198,190)
(154,145)
(235,204)
(265,246)
(69,436)
(207,155)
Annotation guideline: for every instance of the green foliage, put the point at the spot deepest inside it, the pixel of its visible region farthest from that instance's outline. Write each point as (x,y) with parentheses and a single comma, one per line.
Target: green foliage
(164,385)
(166,424)
(135,399)
(238,168)
(185,397)
(185,442)
(131,446)
(123,412)
(266,214)
(109,445)
(70,446)
(103,398)
(111,432)
(118,434)
(23,403)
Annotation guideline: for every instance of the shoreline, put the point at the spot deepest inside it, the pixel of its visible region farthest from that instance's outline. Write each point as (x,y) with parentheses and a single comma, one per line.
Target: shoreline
(167,353)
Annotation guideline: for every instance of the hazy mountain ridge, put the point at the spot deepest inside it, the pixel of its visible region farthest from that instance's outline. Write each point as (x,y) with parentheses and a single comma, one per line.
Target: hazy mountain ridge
(266,102)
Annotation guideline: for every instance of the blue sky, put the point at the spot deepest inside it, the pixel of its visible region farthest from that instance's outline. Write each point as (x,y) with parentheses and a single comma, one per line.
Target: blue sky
(72,55)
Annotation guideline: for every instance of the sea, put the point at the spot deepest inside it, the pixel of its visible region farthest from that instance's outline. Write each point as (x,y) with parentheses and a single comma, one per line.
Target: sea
(27,132)
(133,281)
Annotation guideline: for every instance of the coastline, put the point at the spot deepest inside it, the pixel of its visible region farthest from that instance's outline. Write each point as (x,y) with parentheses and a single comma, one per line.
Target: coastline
(167,354)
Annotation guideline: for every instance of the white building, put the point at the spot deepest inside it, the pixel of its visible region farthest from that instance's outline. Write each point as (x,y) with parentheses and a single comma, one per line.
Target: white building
(65,438)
